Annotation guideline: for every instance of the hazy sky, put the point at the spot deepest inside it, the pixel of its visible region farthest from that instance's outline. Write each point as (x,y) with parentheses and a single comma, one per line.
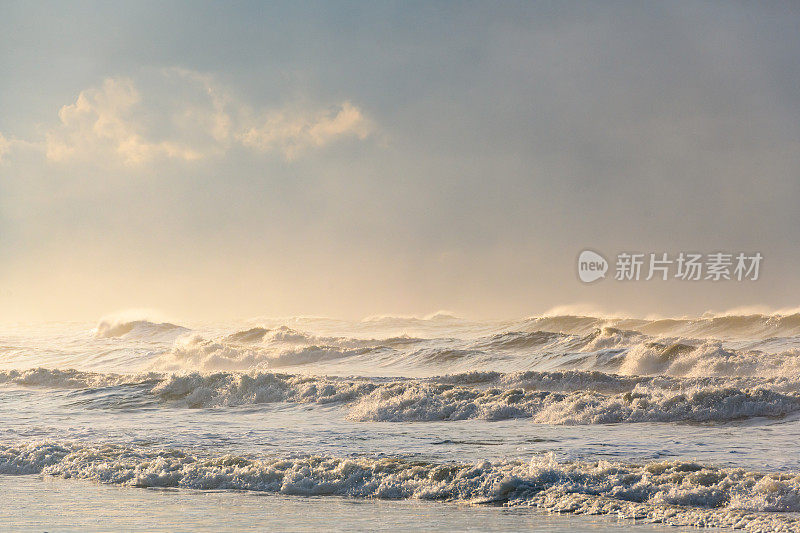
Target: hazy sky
(220,159)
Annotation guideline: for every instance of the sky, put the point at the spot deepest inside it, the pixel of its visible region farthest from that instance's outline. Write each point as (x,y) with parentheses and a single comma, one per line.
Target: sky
(347,159)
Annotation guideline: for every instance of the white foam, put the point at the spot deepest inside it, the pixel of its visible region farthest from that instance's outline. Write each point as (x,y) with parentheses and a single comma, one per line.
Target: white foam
(607,349)
(423,401)
(679,493)
(198,353)
(545,397)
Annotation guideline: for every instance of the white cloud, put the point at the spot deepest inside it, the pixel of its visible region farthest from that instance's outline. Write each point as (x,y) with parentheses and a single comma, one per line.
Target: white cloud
(294,133)
(184,115)
(107,120)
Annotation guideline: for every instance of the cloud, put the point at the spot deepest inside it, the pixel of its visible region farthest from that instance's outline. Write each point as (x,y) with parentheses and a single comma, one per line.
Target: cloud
(184,115)
(295,133)
(107,120)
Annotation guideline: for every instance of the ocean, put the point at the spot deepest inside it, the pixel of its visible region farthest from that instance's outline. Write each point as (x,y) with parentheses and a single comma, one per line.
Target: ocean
(553,423)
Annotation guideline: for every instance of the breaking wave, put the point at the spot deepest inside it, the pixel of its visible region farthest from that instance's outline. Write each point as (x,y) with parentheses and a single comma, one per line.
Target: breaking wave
(196,352)
(432,402)
(748,326)
(140,329)
(611,350)
(570,397)
(675,492)
(728,346)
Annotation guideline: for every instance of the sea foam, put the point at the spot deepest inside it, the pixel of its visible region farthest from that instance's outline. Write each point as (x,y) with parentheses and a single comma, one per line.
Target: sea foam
(543,397)
(673,492)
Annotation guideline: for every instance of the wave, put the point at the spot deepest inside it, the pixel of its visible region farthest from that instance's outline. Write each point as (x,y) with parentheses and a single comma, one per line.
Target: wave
(543,397)
(228,389)
(438,317)
(682,493)
(750,326)
(196,352)
(709,359)
(445,345)
(66,379)
(630,352)
(516,340)
(608,349)
(426,402)
(141,329)
(249,335)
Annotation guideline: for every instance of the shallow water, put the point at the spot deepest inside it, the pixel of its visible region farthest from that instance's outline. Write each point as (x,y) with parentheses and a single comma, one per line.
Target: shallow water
(82,506)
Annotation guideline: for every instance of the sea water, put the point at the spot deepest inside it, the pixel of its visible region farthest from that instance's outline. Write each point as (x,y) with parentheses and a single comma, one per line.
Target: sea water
(556,423)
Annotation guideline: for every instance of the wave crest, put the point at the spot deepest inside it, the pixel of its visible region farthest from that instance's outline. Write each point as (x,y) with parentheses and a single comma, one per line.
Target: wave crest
(197,352)
(141,329)
(544,397)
